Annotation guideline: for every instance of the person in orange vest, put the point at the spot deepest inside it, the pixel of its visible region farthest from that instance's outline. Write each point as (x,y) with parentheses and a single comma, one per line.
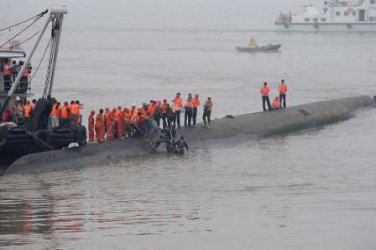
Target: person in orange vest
(54,114)
(275,103)
(99,126)
(79,116)
(7,69)
(74,112)
(188,108)
(25,78)
(151,108)
(119,119)
(65,116)
(109,122)
(265,96)
(195,104)
(157,112)
(282,89)
(91,126)
(127,121)
(178,105)
(27,114)
(206,116)
(163,110)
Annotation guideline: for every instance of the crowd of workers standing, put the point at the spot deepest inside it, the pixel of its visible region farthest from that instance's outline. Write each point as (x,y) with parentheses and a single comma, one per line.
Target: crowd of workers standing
(277,101)
(10,71)
(143,120)
(120,122)
(59,115)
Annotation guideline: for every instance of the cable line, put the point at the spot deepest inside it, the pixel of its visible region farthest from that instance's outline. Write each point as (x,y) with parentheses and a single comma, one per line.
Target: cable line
(24,21)
(19,33)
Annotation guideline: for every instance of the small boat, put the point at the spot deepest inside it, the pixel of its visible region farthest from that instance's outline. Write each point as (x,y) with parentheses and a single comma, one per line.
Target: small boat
(252,47)
(334,15)
(267,48)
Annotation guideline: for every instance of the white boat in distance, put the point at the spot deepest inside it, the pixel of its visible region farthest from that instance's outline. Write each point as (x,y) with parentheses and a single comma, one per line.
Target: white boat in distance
(336,15)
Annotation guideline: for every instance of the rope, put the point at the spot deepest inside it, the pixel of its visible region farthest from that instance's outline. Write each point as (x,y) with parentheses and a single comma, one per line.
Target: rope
(40,62)
(19,33)
(25,41)
(24,21)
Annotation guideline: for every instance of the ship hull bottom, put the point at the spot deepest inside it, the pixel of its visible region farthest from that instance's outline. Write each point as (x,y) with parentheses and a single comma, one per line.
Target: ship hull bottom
(328,27)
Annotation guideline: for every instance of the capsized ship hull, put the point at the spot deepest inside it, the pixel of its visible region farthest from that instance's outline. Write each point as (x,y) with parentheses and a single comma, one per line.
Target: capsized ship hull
(253,125)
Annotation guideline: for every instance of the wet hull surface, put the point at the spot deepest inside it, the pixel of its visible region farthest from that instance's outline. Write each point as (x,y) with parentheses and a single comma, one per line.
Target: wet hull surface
(255,125)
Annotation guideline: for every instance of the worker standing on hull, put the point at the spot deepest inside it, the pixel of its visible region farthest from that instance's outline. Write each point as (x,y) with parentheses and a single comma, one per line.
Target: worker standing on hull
(27,114)
(178,104)
(188,109)
(195,104)
(206,116)
(91,122)
(109,122)
(282,89)
(64,116)
(99,126)
(265,96)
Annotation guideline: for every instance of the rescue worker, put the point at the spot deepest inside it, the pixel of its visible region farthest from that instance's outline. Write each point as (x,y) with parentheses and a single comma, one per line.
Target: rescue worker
(119,119)
(99,126)
(163,110)
(127,122)
(157,113)
(275,103)
(265,96)
(178,104)
(65,116)
(91,126)
(34,103)
(114,130)
(79,113)
(7,71)
(54,115)
(20,112)
(25,78)
(188,108)
(27,114)
(74,112)
(195,104)
(171,116)
(150,109)
(207,112)
(282,89)
(180,145)
(109,124)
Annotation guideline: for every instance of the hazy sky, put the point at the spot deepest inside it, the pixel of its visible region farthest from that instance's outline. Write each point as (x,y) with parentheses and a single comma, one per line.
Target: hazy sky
(159,14)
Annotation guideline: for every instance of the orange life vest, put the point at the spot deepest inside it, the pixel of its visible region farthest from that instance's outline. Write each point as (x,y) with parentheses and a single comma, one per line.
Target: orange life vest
(275,103)
(75,110)
(178,102)
(54,111)
(151,109)
(282,89)
(64,112)
(7,70)
(27,110)
(195,102)
(265,91)
(26,73)
(163,107)
(188,104)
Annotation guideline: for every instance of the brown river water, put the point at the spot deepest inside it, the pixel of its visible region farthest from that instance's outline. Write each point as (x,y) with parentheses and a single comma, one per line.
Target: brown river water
(313,189)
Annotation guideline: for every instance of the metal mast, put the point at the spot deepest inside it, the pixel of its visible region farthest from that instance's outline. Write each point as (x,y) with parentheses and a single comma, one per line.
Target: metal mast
(56,17)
